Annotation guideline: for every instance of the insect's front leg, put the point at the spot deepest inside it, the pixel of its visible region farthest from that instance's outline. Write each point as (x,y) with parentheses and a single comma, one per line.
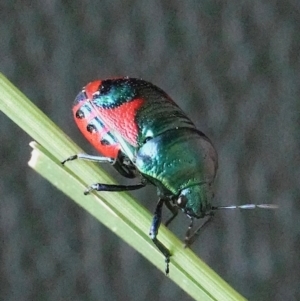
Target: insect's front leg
(190,238)
(156,221)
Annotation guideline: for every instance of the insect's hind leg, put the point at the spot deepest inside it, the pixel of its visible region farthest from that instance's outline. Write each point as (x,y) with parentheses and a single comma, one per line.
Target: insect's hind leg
(126,170)
(121,163)
(98,159)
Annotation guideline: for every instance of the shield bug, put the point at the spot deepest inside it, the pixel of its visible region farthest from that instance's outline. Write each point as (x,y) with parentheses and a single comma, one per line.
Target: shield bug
(140,130)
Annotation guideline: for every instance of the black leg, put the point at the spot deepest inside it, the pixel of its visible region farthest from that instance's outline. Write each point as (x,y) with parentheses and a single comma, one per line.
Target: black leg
(190,238)
(112,187)
(122,164)
(188,233)
(156,221)
(98,159)
(173,209)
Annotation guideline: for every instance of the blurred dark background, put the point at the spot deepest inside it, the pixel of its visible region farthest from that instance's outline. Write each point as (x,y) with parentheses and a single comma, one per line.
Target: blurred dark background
(233,66)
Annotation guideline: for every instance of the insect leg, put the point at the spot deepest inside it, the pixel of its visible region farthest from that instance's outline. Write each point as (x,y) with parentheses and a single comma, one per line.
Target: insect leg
(190,238)
(99,159)
(120,163)
(173,209)
(156,221)
(124,166)
(112,187)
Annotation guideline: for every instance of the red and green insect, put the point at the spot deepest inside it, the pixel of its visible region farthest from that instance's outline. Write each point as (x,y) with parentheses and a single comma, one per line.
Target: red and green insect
(140,130)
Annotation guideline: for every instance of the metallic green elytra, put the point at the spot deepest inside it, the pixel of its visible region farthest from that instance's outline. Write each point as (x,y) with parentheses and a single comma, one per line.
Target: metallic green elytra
(138,128)
(181,162)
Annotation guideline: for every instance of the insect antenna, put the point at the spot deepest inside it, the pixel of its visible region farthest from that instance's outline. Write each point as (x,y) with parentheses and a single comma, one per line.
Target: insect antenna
(189,239)
(247,206)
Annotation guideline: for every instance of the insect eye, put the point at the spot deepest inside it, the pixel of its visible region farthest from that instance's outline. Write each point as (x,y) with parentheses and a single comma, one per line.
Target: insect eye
(91,128)
(181,201)
(79,114)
